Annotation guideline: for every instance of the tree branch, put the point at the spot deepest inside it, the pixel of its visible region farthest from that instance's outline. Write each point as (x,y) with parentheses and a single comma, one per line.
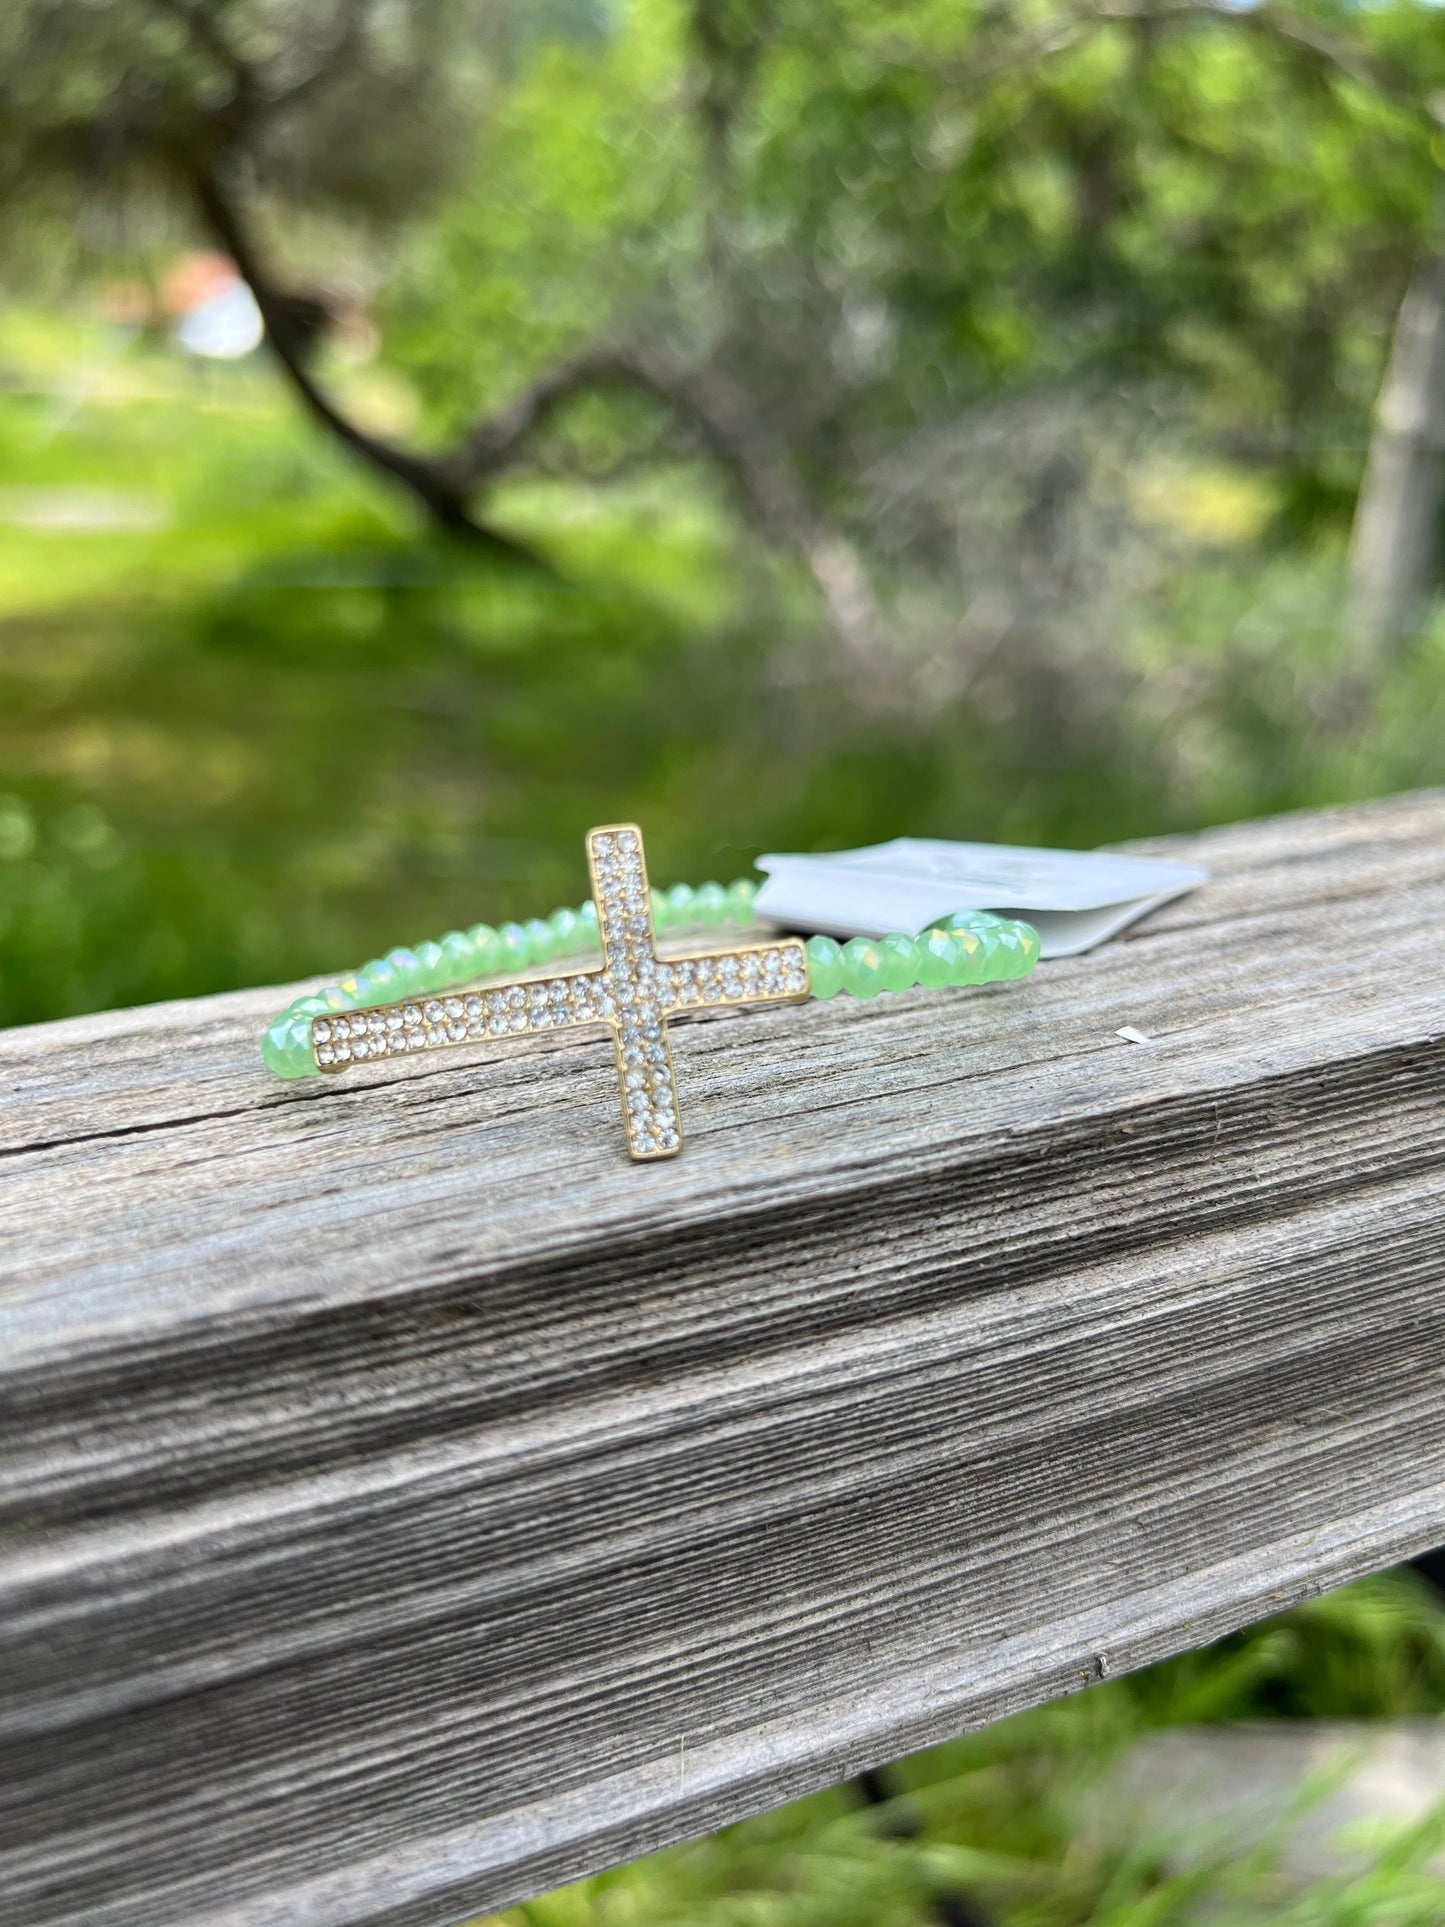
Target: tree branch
(429,480)
(762,479)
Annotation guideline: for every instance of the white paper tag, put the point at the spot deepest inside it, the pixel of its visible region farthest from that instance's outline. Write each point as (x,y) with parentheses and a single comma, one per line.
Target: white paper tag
(1074,898)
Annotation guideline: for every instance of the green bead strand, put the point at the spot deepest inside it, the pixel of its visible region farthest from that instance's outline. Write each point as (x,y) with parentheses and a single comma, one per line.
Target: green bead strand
(966,947)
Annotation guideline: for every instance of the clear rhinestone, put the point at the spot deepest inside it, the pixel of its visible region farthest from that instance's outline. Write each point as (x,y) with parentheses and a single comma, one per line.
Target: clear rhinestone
(411,1017)
(632,1056)
(393,1020)
(644,1143)
(602,845)
(668,1140)
(396,1041)
(636,1081)
(473,1006)
(343,1053)
(627,840)
(325,1054)
(456,1030)
(518,1020)
(516,997)
(432,1012)
(321,1031)
(361,1047)
(416,1040)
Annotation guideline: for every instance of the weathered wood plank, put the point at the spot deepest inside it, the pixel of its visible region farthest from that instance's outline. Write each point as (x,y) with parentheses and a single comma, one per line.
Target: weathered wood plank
(392,1477)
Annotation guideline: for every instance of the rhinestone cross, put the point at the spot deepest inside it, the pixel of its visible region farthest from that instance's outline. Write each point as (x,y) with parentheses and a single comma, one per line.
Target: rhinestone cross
(635,992)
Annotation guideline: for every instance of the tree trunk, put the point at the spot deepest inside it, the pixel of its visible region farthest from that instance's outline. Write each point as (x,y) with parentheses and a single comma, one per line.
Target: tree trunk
(1395,536)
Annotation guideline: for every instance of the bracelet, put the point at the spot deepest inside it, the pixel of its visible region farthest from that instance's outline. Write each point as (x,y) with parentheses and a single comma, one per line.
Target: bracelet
(408,1000)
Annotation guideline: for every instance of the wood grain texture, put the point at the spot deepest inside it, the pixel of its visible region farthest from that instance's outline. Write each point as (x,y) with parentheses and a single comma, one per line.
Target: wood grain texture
(392,1477)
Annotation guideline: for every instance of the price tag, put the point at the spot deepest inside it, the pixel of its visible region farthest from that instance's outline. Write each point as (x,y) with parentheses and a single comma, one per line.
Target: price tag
(1075,899)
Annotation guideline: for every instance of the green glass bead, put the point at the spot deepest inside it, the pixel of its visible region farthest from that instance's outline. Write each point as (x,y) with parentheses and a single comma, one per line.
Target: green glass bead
(587,922)
(680,906)
(516,950)
(459,959)
(825,967)
(431,972)
(354,991)
(565,938)
(710,905)
(1016,955)
(974,952)
(541,941)
(408,970)
(862,967)
(286,1047)
(899,962)
(486,950)
(937,959)
(310,1007)
(335,998)
(740,901)
(661,910)
(378,981)
(1032,943)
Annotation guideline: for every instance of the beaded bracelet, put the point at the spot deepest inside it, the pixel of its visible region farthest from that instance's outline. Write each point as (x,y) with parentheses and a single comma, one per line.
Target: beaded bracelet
(410,1000)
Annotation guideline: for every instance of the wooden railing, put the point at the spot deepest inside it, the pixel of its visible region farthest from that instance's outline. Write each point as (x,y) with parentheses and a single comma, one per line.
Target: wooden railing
(409,1505)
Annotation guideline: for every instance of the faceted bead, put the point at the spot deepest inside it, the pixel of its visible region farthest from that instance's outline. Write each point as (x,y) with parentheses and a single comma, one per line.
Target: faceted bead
(661,912)
(680,906)
(310,1007)
(516,950)
(900,962)
(566,938)
(459,958)
(431,974)
(487,959)
(740,898)
(938,959)
(335,998)
(825,967)
(862,967)
(541,940)
(408,970)
(378,981)
(286,1047)
(973,955)
(587,922)
(354,991)
(710,904)
(1016,955)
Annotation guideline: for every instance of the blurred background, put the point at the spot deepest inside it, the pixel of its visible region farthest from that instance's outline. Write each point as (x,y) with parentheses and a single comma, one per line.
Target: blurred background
(428,427)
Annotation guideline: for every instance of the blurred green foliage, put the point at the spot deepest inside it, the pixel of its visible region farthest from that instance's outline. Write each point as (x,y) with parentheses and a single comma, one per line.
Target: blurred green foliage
(254,726)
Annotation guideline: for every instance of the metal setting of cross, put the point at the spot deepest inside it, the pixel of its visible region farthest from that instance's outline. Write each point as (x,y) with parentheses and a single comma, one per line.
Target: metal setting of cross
(635,991)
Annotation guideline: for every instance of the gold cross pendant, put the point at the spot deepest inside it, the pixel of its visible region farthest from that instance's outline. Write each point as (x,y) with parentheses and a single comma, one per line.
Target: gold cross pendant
(635,992)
